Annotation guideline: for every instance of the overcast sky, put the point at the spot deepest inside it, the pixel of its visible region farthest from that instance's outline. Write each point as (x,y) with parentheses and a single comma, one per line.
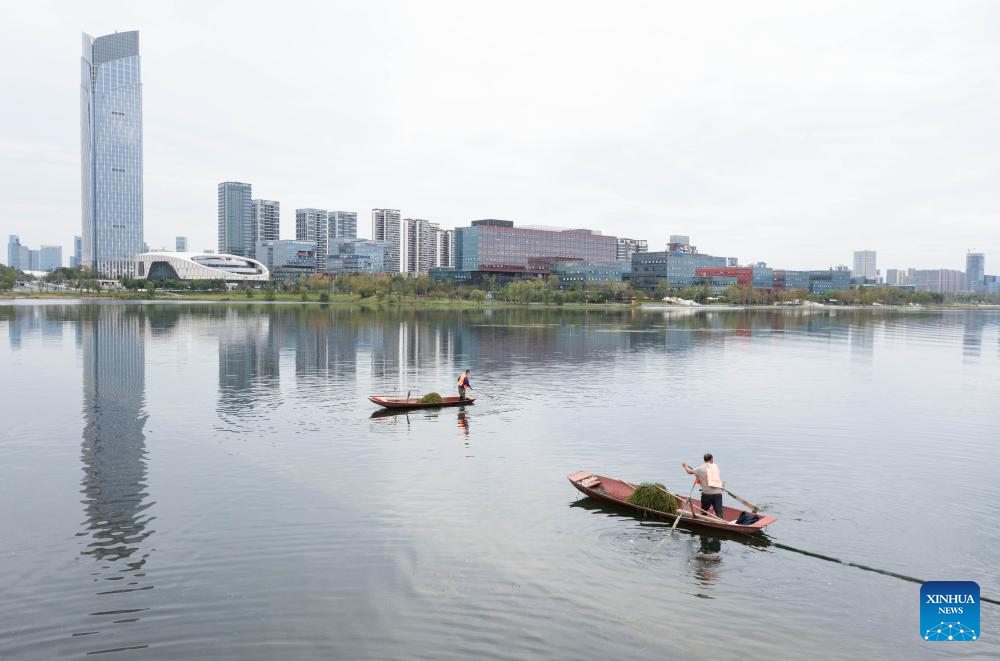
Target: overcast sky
(789,132)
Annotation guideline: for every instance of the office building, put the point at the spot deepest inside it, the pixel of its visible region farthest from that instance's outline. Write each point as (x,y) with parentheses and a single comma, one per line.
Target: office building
(386,227)
(493,247)
(836,279)
(975,271)
(357,256)
(864,265)
(49,258)
(287,259)
(785,280)
(34,260)
(234,269)
(181,244)
(938,281)
(758,276)
(111,153)
(235,219)
(892,277)
(266,220)
(628,247)
(742,275)
(342,225)
(673,268)
(574,272)
(77,257)
(311,225)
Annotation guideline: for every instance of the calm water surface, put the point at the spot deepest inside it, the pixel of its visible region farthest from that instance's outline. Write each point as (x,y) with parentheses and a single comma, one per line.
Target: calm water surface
(207,482)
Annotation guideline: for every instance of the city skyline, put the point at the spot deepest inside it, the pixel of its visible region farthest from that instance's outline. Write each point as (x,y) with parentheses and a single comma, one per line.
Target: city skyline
(726,175)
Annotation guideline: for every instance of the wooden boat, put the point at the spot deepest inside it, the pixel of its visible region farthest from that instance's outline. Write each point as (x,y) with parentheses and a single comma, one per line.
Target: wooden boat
(617,491)
(415,403)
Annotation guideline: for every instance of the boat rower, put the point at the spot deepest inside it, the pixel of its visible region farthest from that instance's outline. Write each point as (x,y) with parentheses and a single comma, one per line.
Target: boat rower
(464,383)
(707,476)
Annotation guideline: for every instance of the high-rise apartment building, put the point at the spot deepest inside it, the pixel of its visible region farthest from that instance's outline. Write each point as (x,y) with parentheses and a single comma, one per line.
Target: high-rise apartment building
(937,280)
(77,257)
(236,219)
(442,247)
(628,247)
(111,153)
(181,244)
(342,225)
(416,246)
(266,220)
(975,271)
(49,258)
(312,225)
(386,227)
(864,265)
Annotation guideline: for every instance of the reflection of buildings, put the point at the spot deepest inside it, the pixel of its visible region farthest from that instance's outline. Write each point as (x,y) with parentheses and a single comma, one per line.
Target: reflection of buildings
(114,450)
(247,352)
(972,334)
(24,320)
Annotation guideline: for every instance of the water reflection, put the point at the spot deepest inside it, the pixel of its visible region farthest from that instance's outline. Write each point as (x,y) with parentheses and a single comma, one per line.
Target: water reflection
(705,563)
(114,486)
(972,334)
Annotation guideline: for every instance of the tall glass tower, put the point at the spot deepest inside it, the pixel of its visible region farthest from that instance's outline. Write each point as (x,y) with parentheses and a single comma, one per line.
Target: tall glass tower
(111,153)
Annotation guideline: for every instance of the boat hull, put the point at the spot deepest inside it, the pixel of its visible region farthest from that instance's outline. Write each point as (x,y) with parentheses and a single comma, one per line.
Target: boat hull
(412,403)
(617,491)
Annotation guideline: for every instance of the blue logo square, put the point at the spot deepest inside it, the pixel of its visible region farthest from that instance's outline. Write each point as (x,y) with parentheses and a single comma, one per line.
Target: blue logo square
(949,611)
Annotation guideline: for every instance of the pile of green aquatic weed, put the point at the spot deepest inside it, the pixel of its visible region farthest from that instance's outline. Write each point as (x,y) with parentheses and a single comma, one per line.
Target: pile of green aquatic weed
(654,497)
(430,398)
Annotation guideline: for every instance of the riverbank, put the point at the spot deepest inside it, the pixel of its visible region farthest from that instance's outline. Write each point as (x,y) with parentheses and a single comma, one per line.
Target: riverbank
(447,303)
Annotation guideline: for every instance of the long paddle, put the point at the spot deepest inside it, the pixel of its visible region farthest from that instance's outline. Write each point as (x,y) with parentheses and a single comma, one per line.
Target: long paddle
(678,517)
(732,495)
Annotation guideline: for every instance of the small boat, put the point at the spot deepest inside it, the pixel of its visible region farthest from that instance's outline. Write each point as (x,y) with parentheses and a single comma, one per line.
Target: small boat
(618,491)
(415,403)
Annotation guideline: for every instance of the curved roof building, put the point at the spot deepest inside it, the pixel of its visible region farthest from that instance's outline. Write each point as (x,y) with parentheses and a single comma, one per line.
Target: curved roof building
(199,266)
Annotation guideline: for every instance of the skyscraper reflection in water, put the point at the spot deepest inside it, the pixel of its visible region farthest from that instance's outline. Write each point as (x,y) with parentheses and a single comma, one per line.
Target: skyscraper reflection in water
(114,486)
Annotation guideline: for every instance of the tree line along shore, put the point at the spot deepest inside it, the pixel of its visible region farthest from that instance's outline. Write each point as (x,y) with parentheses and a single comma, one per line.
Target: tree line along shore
(385,288)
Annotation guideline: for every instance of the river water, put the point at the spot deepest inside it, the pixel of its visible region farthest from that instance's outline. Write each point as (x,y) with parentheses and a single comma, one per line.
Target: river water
(207,482)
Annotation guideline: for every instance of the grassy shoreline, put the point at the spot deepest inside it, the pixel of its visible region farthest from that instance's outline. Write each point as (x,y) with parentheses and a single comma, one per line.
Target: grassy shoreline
(439,303)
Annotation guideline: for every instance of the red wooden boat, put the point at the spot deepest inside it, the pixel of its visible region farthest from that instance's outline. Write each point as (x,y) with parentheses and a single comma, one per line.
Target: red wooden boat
(414,402)
(617,491)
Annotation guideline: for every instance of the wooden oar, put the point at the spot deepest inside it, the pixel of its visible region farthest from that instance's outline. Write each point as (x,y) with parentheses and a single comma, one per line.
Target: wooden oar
(732,495)
(678,517)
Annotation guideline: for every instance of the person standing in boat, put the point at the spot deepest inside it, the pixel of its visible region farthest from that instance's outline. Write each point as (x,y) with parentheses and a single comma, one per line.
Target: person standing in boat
(464,383)
(708,477)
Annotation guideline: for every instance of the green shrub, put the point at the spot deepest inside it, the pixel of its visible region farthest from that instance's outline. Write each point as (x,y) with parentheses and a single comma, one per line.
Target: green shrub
(431,398)
(654,497)
(324,297)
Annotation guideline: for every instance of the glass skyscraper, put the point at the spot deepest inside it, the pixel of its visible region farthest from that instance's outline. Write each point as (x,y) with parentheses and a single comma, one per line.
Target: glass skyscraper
(236,219)
(111,153)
